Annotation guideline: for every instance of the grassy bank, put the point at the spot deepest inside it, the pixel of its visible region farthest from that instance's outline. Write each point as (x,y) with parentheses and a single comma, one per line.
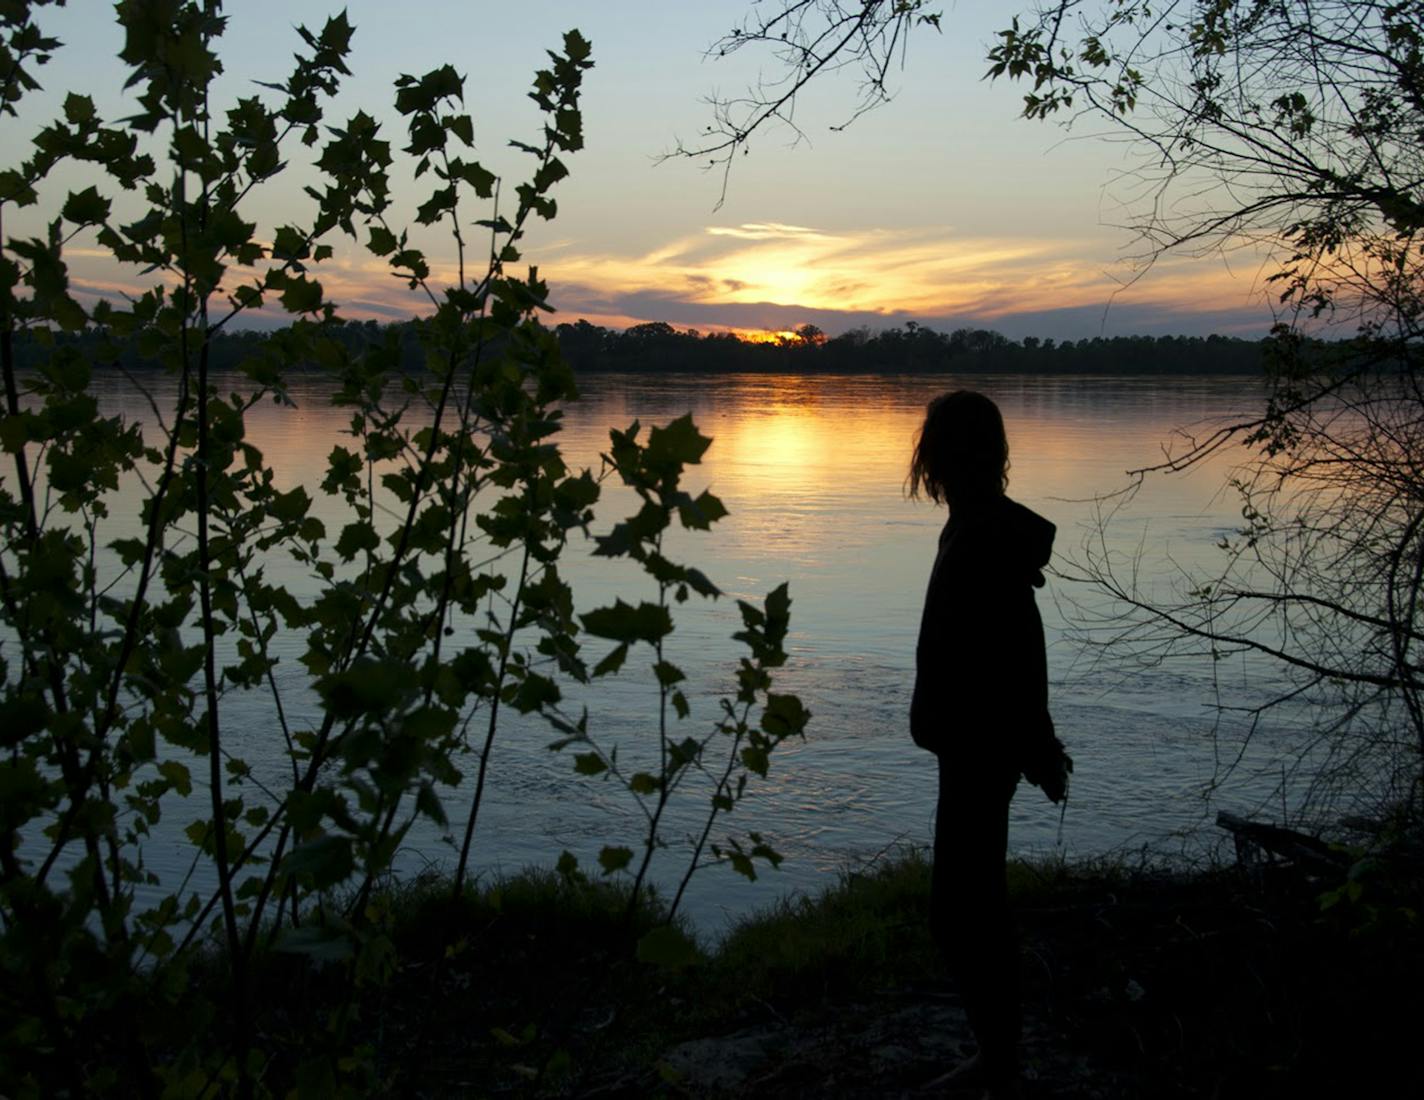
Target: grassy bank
(1137,983)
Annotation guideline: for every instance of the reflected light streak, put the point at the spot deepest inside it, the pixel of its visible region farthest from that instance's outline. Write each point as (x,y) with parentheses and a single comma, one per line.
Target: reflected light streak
(798,451)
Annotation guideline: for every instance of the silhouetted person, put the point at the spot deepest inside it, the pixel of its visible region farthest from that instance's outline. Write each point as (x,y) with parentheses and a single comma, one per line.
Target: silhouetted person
(981,706)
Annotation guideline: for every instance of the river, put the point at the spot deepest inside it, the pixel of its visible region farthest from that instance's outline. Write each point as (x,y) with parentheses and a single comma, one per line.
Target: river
(812,470)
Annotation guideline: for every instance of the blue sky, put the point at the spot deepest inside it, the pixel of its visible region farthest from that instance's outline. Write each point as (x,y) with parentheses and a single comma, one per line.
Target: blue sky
(942,206)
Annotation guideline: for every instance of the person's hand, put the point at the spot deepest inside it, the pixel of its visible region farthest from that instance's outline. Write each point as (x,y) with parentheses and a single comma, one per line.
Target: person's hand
(1055,782)
(1049,770)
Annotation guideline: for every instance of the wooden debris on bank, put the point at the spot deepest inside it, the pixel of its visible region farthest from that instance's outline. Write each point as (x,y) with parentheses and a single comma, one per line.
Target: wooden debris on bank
(1257,842)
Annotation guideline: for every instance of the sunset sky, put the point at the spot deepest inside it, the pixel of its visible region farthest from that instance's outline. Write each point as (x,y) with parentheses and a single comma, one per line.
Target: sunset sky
(942,207)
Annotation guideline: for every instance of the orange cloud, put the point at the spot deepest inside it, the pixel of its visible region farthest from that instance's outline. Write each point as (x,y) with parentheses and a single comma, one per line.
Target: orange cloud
(762,274)
(934,271)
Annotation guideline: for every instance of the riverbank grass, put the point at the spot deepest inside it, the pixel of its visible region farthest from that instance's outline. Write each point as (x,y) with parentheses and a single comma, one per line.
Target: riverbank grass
(1137,982)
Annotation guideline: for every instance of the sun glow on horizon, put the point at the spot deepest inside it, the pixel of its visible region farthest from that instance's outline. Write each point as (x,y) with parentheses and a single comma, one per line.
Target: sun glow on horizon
(932,272)
(751,282)
(783,336)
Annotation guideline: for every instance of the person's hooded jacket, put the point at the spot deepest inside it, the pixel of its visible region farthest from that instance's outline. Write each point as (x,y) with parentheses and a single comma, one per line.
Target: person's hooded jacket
(981,676)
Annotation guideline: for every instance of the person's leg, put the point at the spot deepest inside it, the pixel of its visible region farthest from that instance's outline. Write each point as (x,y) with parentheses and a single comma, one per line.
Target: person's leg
(969,908)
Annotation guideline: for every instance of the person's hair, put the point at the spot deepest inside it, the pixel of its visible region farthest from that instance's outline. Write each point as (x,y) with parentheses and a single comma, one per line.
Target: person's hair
(961,453)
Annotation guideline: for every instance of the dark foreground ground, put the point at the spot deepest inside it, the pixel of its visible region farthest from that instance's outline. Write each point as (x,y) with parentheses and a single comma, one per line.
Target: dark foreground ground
(1137,984)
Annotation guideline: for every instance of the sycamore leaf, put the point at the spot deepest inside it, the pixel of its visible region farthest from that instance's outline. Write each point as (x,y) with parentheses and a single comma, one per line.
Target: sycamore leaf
(613,860)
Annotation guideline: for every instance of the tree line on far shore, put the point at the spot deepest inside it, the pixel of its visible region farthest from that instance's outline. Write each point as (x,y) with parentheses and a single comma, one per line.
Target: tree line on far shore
(910,347)
(658,346)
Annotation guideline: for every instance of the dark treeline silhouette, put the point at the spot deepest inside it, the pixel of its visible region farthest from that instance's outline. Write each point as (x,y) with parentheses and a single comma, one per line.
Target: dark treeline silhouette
(657,346)
(908,348)
(228,349)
